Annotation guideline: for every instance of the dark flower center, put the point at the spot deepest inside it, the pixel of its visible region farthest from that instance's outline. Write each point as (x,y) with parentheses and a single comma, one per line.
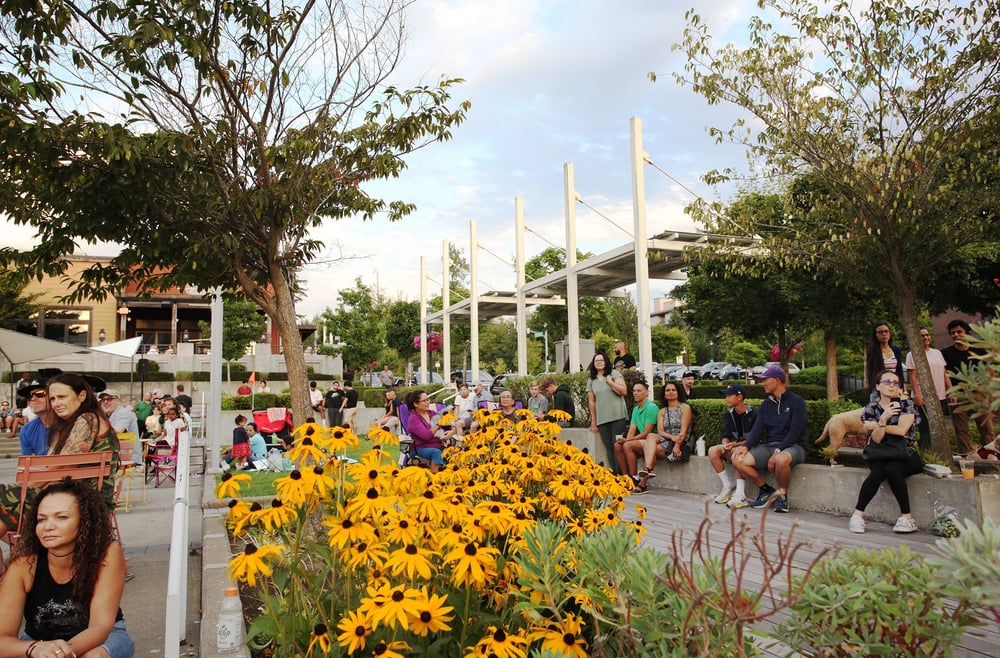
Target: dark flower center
(398,596)
(250,549)
(295,475)
(411,549)
(499,635)
(425,616)
(470,549)
(320,629)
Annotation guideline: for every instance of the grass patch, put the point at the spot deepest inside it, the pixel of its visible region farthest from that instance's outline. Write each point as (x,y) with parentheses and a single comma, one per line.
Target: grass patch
(262,482)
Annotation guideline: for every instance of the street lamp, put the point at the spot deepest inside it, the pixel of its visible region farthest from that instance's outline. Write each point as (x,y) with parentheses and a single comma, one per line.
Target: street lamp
(186,336)
(101,336)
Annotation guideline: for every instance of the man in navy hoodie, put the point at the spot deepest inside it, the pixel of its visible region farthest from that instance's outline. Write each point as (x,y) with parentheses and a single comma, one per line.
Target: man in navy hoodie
(776,442)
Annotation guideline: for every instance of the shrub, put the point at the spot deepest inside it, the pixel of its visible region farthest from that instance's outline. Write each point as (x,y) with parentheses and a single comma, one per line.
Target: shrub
(813,376)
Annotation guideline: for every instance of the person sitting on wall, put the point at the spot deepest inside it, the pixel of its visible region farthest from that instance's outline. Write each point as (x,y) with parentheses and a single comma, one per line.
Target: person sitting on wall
(737,420)
(640,436)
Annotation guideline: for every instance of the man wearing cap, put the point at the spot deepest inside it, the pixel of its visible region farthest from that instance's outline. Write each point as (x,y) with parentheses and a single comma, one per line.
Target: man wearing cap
(776,442)
(35,434)
(122,420)
(736,423)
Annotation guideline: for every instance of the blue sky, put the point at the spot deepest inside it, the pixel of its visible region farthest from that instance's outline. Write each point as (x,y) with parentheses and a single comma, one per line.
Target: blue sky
(550,82)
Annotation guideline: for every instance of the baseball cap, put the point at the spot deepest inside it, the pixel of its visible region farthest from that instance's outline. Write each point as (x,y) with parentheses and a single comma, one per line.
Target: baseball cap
(689,373)
(108,393)
(775,371)
(734,389)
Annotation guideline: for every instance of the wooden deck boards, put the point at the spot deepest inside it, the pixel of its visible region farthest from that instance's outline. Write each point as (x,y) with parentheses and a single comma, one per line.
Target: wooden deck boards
(668,511)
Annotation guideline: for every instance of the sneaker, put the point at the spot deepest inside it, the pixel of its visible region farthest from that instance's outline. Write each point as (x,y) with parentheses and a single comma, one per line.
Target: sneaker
(724,495)
(856,524)
(905,524)
(737,501)
(763,496)
(780,504)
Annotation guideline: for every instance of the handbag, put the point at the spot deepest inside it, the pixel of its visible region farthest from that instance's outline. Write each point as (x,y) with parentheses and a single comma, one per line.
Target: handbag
(890,449)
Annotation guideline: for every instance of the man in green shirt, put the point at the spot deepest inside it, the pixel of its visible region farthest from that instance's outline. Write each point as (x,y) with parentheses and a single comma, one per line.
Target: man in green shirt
(143,409)
(643,424)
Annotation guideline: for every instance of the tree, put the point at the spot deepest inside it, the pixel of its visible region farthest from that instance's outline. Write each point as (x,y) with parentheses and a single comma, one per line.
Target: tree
(402,323)
(893,108)
(17,306)
(242,325)
(745,355)
(668,343)
(243,125)
(359,325)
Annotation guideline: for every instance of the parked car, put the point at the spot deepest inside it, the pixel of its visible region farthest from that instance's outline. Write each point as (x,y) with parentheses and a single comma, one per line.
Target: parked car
(792,368)
(433,378)
(485,378)
(706,370)
(675,371)
(732,372)
(499,382)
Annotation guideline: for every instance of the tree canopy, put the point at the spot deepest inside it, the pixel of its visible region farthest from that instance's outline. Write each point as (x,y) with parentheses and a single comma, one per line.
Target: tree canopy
(210,139)
(892,107)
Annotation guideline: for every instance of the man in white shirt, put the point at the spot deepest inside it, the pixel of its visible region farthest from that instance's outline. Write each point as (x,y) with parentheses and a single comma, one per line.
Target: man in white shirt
(465,406)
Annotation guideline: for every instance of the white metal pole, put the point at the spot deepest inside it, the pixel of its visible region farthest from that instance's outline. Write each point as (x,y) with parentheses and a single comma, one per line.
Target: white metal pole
(445,303)
(474,301)
(424,372)
(572,294)
(214,418)
(175,624)
(641,246)
(522,317)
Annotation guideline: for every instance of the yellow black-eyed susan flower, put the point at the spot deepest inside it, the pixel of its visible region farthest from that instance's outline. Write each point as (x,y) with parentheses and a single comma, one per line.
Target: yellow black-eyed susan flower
(354,629)
(319,638)
(344,531)
(497,642)
(472,565)
(412,560)
(230,484)
(429,613)
(390,649)
(246,566)
(562,637)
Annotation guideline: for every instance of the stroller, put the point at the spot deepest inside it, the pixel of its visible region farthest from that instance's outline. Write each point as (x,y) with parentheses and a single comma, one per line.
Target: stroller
(276,422)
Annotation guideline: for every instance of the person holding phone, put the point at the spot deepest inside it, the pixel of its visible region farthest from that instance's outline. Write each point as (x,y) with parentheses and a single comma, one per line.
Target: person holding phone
(889,418)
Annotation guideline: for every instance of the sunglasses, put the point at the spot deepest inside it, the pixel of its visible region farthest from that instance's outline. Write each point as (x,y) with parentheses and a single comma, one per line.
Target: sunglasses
(38,395)
(889,382)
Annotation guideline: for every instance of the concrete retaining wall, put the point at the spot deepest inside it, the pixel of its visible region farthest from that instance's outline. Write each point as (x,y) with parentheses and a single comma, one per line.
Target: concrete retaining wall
(830,490)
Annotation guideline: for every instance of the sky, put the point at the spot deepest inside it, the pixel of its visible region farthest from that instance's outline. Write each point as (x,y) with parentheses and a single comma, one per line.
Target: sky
(550,82)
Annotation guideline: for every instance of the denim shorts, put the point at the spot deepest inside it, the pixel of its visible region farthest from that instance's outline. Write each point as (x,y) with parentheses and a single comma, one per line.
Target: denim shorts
(433,455)
(118,644)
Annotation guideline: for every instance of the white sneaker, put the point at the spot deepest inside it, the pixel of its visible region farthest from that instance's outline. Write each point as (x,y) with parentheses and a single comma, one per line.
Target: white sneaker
(737,501)
(725,495)
(905,524)
(856,524)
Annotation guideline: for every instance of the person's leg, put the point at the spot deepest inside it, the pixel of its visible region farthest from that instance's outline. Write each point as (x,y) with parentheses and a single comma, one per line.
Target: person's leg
(118,644)
(985,425)
(606,430)
(621,457)
(747,467)
(658,452)
(870,486)
(960,422)
(717,457)
(649,450)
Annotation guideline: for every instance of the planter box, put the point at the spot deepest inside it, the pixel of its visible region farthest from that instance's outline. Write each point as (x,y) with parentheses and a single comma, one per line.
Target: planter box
(830,490)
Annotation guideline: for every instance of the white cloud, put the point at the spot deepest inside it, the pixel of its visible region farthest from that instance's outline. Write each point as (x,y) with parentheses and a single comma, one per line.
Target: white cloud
(551,81)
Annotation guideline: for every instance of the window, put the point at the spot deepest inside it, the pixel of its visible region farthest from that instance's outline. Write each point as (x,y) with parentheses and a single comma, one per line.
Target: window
(66,325)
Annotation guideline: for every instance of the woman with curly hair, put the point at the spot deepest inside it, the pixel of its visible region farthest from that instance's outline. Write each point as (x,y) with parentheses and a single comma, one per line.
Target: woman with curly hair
(65,579)
(79,426)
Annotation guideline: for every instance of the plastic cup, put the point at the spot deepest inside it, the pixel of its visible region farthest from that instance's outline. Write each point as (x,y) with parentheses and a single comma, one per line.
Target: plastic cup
(968,468)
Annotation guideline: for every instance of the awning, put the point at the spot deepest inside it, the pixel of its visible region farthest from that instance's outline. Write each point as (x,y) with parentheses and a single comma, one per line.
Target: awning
(22,348)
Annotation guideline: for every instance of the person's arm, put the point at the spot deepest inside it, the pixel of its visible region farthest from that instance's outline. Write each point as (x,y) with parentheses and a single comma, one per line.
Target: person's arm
(797,425)
(685,422)
(13,593)
(104,603)
(592,402)
(81,436)
(617,384)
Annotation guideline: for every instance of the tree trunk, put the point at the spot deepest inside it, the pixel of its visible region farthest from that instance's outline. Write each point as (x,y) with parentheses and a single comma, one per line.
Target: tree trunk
(291,345)
(940,441)
(832,385)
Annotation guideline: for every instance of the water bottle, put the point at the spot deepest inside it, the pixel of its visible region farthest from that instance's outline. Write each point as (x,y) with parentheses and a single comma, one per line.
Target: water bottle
(699,446)
(230,627)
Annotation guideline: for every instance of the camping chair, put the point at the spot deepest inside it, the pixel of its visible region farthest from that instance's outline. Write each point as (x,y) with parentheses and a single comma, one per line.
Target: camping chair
(128,470)
(162,464)
(36,471)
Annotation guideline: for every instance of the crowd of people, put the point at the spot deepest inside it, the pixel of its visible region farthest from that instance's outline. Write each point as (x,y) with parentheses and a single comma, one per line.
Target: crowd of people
(63,580)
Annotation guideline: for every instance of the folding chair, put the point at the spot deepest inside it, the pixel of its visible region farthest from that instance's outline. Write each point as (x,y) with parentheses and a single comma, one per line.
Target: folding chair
(162,464)
(128,470)
(36,471)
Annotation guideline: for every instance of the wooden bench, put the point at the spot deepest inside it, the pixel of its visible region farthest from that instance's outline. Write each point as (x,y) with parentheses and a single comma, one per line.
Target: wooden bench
(37,471)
